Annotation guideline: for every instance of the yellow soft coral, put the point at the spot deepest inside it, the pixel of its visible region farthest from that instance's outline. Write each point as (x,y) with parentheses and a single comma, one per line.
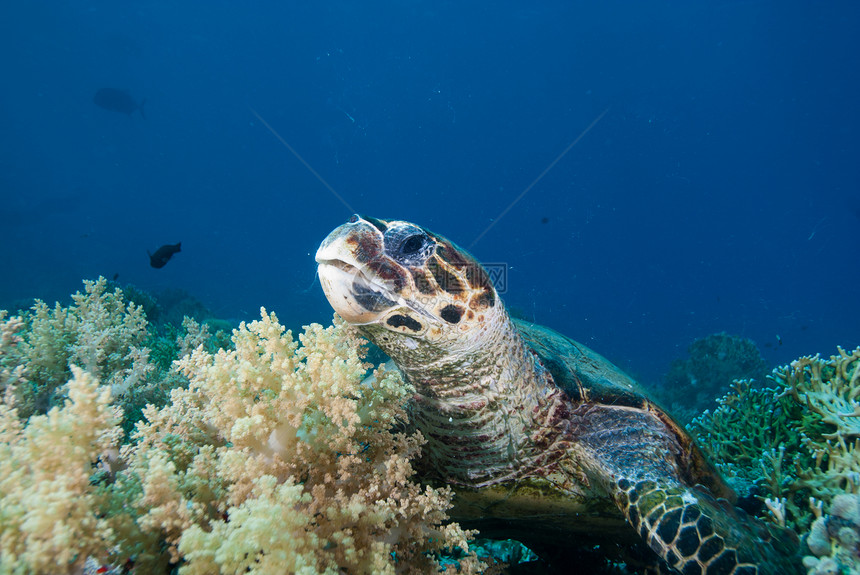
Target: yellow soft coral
(266,534)
(49,511)
(11,369)
(278,458)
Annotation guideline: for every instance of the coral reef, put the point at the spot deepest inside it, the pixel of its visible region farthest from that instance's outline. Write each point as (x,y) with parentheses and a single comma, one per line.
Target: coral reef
(693,384)
(828,390)
(97,332)
(105,335)
(275,432)
(272,430)
(796,445)
(167,307)
(753,437)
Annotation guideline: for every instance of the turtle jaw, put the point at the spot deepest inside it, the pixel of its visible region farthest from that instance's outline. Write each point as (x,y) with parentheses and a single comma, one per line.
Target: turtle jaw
(361,301)
(337,279)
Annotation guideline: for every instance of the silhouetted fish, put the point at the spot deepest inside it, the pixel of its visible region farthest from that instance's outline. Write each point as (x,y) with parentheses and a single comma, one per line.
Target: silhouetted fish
(163,254)
(118,101)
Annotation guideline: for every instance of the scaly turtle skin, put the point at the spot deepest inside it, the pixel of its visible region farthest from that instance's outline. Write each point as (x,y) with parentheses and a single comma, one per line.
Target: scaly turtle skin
(544,440)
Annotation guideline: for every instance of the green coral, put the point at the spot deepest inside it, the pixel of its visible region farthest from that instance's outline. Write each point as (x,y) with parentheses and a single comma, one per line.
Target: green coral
(793,441)
(106,335)
(98,332)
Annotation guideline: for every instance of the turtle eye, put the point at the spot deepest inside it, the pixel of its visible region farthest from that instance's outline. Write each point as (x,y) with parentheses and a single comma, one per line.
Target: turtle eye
(413,244)
(408,245)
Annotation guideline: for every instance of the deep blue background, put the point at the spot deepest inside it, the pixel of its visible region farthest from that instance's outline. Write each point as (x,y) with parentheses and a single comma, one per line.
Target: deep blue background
(721,191)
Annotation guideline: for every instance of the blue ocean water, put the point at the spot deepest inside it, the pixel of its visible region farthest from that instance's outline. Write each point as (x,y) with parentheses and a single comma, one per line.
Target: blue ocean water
(719,192)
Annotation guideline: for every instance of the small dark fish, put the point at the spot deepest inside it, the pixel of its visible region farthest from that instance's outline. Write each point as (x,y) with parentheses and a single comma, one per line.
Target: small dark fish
(163,254)
(544,220)
(118,101)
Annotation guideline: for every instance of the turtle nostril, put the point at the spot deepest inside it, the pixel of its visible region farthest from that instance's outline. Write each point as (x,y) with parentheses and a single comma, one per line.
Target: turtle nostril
(353,218)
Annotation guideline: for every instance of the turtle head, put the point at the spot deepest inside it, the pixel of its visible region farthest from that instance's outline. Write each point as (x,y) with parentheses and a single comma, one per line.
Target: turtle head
(405,286)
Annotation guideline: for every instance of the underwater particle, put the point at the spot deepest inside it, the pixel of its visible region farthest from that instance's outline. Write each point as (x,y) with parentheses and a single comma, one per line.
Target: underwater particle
(163,254)
(118,101)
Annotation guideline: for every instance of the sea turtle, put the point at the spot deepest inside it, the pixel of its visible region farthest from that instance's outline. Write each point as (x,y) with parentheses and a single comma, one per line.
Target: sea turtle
(544,440)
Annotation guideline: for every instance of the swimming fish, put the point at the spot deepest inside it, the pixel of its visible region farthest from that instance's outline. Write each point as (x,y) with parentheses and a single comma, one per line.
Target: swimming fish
(118,101)
(163,254)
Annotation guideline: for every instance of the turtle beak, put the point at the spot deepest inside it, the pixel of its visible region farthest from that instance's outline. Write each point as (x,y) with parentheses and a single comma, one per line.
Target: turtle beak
(355,298)
(339,285)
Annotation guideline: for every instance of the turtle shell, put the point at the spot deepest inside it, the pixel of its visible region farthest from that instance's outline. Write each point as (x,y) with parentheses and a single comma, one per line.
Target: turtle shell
(589,378)
(585,375)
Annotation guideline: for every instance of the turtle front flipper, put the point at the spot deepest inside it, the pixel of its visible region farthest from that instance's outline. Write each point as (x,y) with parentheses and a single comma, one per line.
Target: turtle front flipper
(668,492)
(697,534)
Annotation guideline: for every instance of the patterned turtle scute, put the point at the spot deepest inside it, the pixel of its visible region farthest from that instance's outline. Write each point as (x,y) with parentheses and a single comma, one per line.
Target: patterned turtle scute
(669,525)
(688,541)
(692,569)
(710,548)
(679,529)
(704,527)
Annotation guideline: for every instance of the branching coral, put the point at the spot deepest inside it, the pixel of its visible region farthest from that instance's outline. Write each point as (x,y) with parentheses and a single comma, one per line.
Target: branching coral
(796,440)
(830,389)
(746,436)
